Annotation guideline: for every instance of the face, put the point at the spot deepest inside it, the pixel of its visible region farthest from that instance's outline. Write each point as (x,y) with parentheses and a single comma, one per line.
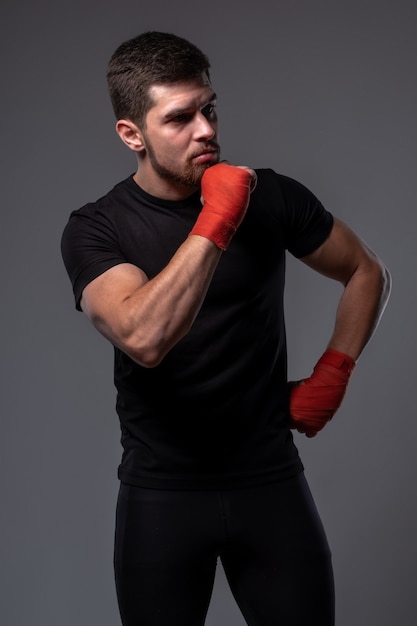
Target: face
(179,138)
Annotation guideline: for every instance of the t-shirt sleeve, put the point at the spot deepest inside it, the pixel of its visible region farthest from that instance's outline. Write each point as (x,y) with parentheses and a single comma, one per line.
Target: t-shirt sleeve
(89,247)
(307,222)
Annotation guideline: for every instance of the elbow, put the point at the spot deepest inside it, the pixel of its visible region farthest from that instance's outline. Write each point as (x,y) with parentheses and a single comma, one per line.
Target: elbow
(146,347)
(149,343)
(386,284)
(151,360)
(148,352)
(146,356)
(379,282)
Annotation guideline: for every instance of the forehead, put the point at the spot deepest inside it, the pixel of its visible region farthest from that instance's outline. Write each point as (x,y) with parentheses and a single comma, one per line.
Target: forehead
(180,95)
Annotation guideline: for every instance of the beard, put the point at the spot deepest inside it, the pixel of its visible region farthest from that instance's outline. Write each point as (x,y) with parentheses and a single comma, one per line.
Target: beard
(190,175)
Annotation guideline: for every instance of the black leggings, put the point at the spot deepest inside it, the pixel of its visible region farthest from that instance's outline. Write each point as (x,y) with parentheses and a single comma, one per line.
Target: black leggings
(269,538)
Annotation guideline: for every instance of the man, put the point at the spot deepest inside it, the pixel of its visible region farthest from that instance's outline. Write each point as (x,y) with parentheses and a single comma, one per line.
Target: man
(181,267)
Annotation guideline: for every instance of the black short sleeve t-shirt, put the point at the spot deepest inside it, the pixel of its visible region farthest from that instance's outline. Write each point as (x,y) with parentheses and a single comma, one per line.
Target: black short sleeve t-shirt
(214,413)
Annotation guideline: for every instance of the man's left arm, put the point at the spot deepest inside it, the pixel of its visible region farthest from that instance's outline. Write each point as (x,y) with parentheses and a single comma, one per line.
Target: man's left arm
(346,258)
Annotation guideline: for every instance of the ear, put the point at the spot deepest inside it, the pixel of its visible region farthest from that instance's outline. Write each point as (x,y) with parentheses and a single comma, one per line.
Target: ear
(130,134)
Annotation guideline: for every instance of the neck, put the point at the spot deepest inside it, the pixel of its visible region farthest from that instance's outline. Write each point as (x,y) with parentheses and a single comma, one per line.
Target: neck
(162,188)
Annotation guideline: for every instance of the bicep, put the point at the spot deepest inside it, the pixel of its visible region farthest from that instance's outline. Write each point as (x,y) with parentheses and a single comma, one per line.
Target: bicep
(104,297)
(341,255)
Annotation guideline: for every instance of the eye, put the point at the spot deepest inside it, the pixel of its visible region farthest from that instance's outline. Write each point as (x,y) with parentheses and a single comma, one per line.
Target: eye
(209,111)
(181,118)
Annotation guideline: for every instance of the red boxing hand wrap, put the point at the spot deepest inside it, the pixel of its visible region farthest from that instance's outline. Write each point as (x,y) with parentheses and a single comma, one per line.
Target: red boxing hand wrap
(225,190)
(315,400)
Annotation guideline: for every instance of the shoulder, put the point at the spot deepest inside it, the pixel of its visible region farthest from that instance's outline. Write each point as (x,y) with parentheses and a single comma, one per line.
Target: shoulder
(111,199)
(304,221)
(287,197)
(98,217)
(288,187)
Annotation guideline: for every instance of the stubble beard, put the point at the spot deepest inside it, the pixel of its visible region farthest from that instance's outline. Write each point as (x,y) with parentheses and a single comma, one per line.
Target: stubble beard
(191,174)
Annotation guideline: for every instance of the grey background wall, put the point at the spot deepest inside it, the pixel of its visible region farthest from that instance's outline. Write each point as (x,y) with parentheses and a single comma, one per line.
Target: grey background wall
(323,91)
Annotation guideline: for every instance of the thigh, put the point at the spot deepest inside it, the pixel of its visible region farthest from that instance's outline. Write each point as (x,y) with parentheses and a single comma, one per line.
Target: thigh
(165,556)
(278,562)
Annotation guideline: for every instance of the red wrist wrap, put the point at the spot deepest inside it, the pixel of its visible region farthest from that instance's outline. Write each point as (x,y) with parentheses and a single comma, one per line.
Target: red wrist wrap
(225,190)
(315,400)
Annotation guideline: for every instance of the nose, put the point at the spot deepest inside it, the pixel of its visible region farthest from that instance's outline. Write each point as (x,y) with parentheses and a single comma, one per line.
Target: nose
(205,129)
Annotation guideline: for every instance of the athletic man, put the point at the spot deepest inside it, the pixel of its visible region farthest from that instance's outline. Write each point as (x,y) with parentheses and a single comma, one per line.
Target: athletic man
(181,267)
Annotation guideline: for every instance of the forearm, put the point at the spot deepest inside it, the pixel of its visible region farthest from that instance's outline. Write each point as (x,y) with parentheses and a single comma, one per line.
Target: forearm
(360,308)
(158,314)
(315,400)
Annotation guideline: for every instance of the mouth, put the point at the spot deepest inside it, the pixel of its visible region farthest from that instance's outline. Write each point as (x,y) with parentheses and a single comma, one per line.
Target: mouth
(211,155)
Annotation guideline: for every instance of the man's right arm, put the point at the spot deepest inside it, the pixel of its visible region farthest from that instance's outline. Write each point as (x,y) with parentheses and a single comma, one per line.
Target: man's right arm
(146,318)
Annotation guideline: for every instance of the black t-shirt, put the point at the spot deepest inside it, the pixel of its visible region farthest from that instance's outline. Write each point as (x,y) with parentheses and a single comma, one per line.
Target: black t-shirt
(214,413)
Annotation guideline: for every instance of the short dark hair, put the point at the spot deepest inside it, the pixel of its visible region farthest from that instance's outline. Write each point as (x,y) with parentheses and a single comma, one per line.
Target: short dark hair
(148,59)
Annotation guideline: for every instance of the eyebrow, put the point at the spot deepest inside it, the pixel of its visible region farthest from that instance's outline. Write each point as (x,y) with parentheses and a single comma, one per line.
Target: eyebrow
(181,110)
